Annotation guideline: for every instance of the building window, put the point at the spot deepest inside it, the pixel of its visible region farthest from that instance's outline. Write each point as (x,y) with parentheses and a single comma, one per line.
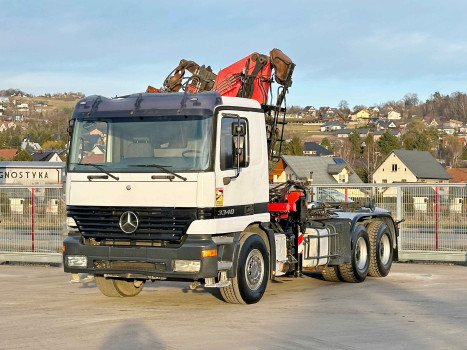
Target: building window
(385,181)
(394,167)
(342,178)
(404,180)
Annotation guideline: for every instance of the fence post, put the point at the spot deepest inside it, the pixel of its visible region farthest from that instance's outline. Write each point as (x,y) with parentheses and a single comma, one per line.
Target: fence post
(315,193)
(436,216)
(399,213)
(32,217)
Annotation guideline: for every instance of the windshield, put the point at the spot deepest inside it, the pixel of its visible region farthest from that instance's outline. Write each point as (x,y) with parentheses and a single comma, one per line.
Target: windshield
(141,144)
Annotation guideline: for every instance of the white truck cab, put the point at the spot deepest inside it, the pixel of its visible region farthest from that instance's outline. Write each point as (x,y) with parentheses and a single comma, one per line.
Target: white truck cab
(156,180)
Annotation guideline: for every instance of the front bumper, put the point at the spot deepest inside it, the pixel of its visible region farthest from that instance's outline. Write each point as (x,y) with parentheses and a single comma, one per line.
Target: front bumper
(149,262)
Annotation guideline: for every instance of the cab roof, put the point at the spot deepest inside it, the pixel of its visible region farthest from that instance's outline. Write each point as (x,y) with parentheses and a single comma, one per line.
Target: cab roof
(148,104)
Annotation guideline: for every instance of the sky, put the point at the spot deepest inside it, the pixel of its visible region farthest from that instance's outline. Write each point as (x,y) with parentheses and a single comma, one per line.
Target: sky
(363,52)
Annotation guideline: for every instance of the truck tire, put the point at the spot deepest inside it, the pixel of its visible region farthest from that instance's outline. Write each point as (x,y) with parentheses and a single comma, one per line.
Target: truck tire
(331,274)
(357,269)
(249,285)
(118,288)
(381,249)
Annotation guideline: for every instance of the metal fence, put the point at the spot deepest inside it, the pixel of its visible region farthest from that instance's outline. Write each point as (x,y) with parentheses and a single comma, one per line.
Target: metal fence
(33,219)
(435,226)
(33,222)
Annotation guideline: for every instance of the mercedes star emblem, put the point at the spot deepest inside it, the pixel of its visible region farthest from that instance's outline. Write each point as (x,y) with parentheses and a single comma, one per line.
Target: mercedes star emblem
(129,222)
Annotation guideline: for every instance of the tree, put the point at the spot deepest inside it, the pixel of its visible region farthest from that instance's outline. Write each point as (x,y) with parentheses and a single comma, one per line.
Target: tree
(344,108)
(356,142)
(358,108)
(326,143)
(371,156)
(411,100)
(59,144)
(453,150)
(23,156)
(410,140)
(422,143)
(387,143)
(295,147)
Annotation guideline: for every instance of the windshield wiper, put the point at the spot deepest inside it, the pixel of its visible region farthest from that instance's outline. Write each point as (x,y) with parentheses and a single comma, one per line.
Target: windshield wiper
(99,168)
(160,167)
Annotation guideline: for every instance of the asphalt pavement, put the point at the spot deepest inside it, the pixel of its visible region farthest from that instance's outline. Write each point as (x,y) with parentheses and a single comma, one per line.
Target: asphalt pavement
(418,306)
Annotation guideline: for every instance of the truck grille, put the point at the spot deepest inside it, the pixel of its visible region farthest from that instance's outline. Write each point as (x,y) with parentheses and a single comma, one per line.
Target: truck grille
(155,224)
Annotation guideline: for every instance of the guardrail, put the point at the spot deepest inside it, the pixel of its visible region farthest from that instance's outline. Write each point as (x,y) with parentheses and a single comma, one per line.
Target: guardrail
(33,218)
(33,223)
(435,226)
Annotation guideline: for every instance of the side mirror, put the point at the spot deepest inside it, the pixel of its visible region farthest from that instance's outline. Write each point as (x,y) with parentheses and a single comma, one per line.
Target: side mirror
(238,129)
(71,125)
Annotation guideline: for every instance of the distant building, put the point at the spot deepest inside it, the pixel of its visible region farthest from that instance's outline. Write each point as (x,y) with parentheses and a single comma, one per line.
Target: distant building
(448,130)
(332,126)
(393,115)
(315,170)
(410,166)
(45,156)
(17,117)
(314,149)
(7,125)
(28,145)
(362,114)
(8,154)
(458,175)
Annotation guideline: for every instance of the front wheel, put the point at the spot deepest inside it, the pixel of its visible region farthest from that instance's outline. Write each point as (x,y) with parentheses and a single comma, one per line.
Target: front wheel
(249,285)
(357,269)
(119,288)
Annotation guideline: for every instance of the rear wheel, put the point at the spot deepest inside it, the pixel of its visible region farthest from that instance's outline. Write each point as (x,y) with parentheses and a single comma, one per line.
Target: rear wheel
(331,274)
(119,288)
(357,269)
(381,249)
(252,276)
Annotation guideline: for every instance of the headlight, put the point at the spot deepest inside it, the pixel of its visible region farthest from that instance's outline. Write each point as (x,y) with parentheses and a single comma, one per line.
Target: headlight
(77,261)
(187,265)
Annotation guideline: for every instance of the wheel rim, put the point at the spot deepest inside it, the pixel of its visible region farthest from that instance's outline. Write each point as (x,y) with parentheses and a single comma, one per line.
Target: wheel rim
(254,269)
(361,254)
(385,249)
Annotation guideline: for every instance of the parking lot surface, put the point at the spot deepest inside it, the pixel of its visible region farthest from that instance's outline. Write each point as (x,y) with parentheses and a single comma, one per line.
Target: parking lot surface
(418,306)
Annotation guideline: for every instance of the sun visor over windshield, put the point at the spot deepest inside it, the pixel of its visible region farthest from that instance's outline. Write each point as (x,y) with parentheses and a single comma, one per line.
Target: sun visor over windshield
(148,104)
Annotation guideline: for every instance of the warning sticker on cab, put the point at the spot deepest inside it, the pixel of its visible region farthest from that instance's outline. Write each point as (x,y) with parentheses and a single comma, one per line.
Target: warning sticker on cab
(219,197)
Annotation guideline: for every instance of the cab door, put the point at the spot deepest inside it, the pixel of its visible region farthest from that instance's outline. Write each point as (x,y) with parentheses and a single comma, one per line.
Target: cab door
(241,169)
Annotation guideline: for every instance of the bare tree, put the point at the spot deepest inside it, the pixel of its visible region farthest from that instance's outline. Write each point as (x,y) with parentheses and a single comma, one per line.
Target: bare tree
(411,100)
(453,150)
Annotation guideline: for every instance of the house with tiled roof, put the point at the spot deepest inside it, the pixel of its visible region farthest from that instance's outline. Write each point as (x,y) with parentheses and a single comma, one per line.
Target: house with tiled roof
(394,115)
(45,156)
(459,175)
(314,170)
(7,125)
(410,166)
(8,153)
(362,114)
(332,126)
(313,149)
